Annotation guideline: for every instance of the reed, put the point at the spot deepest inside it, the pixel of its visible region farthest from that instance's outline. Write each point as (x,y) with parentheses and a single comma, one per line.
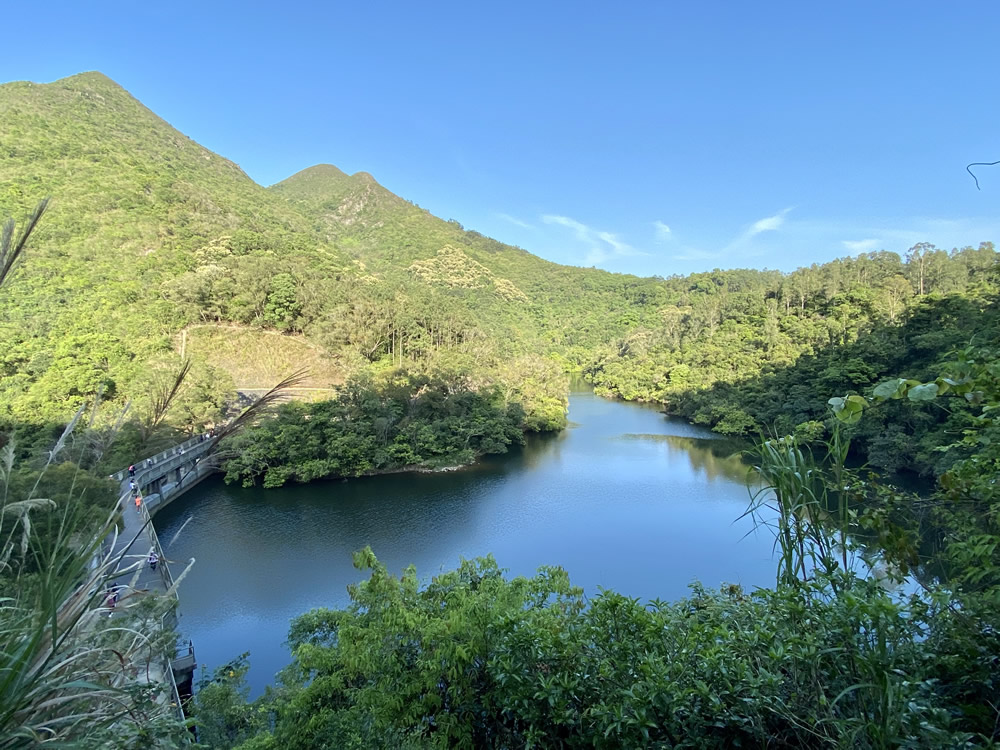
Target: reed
(808,504)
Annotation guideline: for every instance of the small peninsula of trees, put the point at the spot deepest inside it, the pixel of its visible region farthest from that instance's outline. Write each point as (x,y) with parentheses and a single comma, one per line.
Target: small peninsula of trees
(408,423)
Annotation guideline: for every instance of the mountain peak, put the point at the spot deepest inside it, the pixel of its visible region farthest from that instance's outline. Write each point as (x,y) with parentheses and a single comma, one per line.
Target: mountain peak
(91,82)
(325,170)
(325,182)
(317,177)
(89,77)
(323,177)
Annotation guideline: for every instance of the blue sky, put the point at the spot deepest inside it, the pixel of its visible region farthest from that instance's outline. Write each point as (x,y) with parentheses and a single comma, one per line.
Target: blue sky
(654,138)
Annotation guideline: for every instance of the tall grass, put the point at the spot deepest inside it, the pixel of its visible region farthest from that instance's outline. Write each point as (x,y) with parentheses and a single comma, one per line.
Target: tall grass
(74,670)
(811,503)
(815,504)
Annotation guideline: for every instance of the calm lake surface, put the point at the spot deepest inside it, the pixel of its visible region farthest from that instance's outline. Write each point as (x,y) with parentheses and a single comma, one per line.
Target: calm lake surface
(625,499)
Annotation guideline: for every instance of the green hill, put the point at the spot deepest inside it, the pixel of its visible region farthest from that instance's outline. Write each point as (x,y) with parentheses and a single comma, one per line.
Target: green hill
(149,232)
(132,202)
(557,306)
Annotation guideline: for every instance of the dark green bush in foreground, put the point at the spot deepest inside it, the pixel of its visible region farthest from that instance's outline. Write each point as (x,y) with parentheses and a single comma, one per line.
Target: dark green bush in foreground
(475,660)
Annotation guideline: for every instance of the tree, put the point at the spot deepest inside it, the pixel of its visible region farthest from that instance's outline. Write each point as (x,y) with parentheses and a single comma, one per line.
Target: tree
(282,306)
(895,292)
(916,264)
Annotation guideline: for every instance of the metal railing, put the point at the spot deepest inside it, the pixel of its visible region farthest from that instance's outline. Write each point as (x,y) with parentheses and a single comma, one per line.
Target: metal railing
(153,461)
(184,657)
(175,694)
(168,620)
(168,580)
(160,465)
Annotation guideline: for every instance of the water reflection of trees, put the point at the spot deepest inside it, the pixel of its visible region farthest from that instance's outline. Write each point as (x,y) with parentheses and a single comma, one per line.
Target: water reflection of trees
(712,458)
(538,449)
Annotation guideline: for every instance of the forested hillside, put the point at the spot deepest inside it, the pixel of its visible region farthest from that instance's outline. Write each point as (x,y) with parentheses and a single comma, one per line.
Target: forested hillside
(133,201)
(149,233)
(152,242)
(746,352)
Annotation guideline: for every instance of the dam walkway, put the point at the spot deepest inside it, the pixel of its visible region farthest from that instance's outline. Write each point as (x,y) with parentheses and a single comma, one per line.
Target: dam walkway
(160,479)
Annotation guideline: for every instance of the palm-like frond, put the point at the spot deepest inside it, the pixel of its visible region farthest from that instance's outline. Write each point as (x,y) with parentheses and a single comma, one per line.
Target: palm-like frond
(262,405)
(11,248)
(164,396)
(248,416)
(67,669)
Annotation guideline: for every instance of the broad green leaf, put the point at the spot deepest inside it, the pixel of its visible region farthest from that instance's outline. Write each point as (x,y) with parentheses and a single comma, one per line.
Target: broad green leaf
(850,417)
(890,389)
(925,392)
(847,409)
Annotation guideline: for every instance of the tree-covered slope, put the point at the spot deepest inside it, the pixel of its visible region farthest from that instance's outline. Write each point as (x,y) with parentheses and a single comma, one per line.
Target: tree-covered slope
(746,353)
(553,307)
(148,232)
(132,201)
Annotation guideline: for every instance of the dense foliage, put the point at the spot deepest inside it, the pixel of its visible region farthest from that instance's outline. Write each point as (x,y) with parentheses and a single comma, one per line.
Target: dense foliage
(410,422)
(474,660)
(747,352)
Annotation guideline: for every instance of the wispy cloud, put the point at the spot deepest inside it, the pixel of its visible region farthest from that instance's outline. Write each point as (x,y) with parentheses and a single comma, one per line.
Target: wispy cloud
(582,231)
(894,234)
(620,247)
(603,245)
(786,240)
(860,246)
(515,221)
(767,224)
(662,231)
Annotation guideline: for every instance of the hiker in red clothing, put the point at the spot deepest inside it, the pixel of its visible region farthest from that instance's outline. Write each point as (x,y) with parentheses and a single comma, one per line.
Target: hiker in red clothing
(131,470)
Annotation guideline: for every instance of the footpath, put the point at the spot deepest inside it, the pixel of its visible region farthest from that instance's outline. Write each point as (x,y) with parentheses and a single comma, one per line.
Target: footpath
(137,539)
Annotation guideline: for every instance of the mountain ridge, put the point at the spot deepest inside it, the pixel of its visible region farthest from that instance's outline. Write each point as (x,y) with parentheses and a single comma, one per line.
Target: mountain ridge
(149,232)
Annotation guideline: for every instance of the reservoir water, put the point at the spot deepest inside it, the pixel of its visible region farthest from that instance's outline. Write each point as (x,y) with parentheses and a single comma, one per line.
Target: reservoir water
(624,499)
